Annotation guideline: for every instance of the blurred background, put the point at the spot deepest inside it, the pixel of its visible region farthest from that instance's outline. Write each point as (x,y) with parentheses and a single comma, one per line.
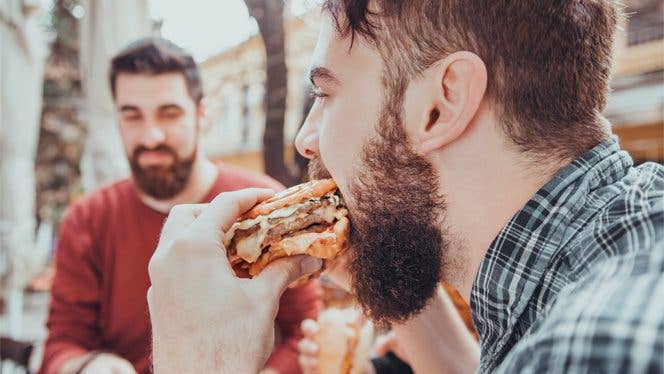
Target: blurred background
(58,132)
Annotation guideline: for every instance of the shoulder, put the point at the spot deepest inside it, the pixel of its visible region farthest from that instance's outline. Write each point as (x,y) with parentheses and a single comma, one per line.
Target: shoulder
(631,216)
(234,178)
(605,322)
(88,219)
(642,188)
(99,202)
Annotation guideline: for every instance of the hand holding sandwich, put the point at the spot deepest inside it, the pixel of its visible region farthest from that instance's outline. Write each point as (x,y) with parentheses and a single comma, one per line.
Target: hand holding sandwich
(338,343)
(416,341)
(195,290)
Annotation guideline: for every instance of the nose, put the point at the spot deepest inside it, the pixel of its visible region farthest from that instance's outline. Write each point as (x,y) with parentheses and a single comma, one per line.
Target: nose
(153,136)
(307,139)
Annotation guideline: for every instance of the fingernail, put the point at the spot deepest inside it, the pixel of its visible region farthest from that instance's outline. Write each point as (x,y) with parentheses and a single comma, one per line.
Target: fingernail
(311,264)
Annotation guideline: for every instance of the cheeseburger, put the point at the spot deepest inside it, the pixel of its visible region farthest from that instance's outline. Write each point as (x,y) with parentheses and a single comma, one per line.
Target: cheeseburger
(309,218)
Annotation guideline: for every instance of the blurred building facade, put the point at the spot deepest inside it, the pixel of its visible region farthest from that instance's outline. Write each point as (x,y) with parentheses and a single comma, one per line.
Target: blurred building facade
(636,104)
(234,85)
(234,79)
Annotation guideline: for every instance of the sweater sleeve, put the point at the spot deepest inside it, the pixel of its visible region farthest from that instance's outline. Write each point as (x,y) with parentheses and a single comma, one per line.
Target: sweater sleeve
(75,296)
(296,305)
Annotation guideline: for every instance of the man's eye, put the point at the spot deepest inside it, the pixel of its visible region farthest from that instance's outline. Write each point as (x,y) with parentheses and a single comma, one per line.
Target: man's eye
(318,93)
(170,114)
(131,117)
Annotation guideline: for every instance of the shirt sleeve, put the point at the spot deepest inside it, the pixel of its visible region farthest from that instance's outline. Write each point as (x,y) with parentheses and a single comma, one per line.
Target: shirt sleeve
(611,322)
(74,310)
(296,305)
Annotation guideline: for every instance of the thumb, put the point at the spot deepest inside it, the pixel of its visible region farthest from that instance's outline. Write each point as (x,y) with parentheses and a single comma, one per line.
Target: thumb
(279,274)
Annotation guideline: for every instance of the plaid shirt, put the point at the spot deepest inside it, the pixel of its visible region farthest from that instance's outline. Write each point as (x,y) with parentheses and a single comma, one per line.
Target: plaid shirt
(545,282)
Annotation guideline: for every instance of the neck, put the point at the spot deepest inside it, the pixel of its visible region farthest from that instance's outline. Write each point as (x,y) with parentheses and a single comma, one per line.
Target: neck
(203,176)
(486,184)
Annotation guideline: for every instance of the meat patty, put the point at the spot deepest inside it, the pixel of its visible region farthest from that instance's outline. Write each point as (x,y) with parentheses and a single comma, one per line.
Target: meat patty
(284,228)
(301,219)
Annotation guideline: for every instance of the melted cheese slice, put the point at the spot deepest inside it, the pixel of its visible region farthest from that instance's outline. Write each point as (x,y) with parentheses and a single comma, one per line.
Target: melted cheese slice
(249,248)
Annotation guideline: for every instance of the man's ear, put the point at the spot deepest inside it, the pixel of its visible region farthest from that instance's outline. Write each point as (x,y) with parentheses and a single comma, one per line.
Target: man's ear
(201,114)
(458,84)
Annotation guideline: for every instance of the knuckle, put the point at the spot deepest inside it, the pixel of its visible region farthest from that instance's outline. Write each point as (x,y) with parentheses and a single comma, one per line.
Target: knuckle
(149,293)
(153,266)
(156,264)
(305,364)
(178,209)
(302,346)
(226,201)
(221,198)
(309,327)
(166,253)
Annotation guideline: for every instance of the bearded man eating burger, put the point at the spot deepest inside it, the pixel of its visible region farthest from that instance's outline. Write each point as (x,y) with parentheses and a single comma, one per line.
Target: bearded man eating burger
(467,141)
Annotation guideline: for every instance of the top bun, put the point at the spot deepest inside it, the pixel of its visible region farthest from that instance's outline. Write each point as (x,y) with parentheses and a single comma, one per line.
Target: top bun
(293,195)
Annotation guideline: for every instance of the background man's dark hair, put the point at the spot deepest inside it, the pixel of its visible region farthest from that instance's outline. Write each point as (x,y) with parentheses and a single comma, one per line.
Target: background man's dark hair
(154,56)
(548,61)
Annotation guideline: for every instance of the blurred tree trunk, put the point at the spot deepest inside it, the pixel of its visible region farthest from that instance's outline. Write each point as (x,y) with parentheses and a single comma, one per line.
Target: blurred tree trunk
(269,15)
(62,135)
(22,57)
(106,27)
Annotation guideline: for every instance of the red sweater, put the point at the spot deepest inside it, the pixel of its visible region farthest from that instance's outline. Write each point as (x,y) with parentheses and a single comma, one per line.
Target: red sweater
(99,293)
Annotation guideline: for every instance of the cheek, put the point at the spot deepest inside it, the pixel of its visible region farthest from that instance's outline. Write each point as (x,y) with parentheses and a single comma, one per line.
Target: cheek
(182,137)
(130,139)
(336,162)
(345,127)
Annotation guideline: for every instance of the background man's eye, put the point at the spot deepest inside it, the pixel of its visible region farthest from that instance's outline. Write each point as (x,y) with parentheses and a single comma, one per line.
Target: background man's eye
(132,117)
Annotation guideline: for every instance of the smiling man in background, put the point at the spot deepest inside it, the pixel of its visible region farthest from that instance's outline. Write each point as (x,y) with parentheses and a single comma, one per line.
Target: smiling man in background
(98,321)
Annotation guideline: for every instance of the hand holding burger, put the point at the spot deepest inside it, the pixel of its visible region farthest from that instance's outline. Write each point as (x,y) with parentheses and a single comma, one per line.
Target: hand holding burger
(194,290)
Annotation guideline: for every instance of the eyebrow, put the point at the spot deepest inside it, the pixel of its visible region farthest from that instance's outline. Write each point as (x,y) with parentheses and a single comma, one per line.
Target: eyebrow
(133,108)
(129,108)
(319,72)
(170,107)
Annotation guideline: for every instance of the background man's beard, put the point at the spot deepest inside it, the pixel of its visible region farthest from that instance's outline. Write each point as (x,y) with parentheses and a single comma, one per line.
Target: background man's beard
(162,182)
(396,241)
